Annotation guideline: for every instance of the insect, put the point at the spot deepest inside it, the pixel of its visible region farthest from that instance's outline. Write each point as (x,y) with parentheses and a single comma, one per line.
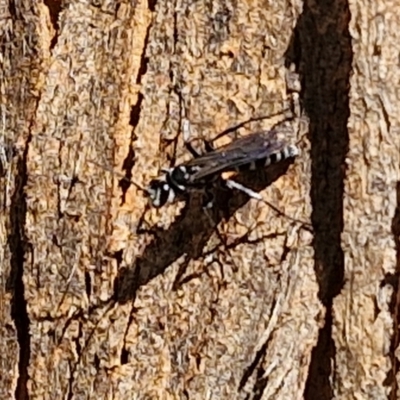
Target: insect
(252,152)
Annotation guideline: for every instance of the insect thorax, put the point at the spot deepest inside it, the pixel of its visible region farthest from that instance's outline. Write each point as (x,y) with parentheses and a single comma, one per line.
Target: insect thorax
(181,177)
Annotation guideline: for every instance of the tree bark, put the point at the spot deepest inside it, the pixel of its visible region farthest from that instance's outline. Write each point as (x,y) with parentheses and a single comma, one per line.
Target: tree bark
(105,297)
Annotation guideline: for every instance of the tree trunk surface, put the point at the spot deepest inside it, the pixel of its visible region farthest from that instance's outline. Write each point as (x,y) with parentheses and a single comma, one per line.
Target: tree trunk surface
(105,297)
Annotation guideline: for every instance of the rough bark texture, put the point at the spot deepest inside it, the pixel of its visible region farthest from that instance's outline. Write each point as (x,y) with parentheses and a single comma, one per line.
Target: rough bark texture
(103,297)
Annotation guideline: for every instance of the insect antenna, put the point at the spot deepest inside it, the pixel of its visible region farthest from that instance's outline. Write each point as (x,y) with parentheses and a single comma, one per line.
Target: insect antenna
(122,176)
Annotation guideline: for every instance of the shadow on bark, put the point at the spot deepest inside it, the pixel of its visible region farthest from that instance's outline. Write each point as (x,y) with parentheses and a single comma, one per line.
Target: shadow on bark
(393,280)
(17,245)
(321,50)
(189,234)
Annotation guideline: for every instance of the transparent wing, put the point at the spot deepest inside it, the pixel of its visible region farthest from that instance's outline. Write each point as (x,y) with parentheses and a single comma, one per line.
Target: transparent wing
(242,151)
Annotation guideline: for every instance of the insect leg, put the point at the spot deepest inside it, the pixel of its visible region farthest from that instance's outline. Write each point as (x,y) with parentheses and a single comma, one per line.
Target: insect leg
(208,146)
(236,127)
(192,150)
(186,138)
(208,199)
(235,185)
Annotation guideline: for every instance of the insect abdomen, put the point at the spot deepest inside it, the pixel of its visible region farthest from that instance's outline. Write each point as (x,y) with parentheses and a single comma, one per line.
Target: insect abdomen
(273,158)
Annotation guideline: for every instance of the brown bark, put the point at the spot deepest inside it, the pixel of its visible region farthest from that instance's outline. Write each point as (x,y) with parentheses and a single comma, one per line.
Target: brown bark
(103,297)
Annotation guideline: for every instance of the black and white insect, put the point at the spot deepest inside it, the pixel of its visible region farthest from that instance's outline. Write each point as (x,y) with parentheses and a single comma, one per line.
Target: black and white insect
(204,172)
(252,152)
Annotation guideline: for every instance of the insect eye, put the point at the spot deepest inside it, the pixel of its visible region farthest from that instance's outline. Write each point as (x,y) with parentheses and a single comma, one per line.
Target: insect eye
(159,192)
(155,186)
(152,189)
